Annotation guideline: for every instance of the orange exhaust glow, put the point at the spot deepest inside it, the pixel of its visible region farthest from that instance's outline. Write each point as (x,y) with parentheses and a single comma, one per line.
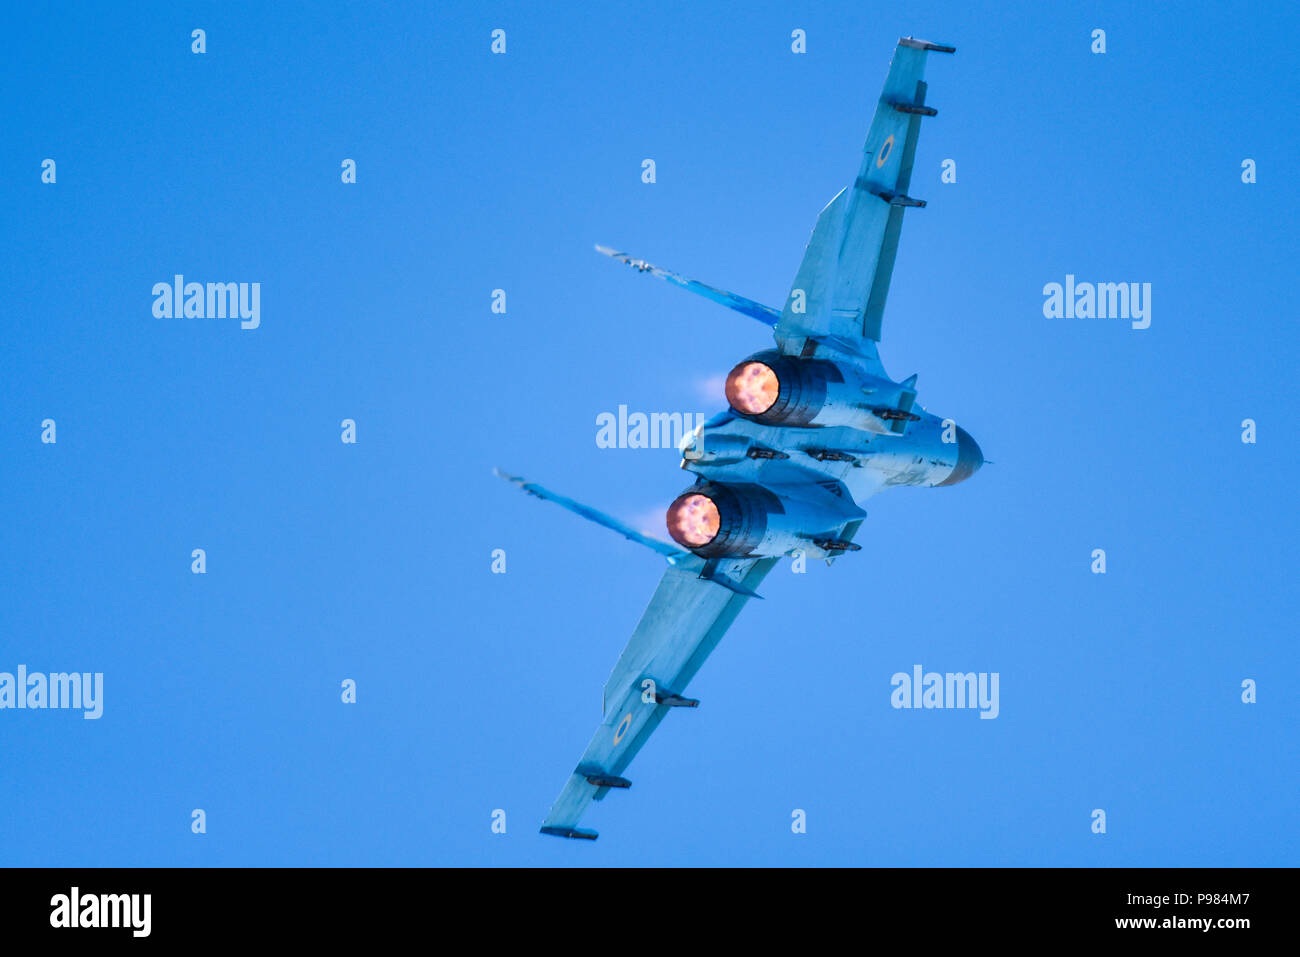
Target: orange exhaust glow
(752,388)
(693,520)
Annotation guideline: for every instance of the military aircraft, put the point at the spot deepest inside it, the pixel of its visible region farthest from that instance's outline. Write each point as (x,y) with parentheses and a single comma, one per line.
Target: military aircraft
(814,427)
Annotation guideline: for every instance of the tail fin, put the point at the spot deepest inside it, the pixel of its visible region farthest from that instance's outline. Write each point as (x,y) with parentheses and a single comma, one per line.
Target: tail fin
(755,310)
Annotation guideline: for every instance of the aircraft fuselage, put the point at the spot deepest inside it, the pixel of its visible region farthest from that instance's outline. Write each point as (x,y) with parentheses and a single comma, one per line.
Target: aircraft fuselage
(803,442)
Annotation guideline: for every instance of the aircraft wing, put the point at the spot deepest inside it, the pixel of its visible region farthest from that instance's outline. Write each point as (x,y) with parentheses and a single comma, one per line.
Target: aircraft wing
(692,608)
(839,291)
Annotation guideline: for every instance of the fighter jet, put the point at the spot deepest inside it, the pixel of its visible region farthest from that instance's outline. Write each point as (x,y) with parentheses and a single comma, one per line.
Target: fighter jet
(813,428)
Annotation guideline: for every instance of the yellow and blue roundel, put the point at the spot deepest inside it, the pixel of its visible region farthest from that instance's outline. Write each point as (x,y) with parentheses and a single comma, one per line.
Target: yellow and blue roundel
(622,727)
(886,148)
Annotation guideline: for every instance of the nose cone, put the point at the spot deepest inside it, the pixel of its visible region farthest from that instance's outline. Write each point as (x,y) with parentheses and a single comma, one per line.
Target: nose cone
(969,458)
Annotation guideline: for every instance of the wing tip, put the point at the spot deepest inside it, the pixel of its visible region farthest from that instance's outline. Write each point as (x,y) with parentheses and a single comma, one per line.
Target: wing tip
(926,45)
(576,833)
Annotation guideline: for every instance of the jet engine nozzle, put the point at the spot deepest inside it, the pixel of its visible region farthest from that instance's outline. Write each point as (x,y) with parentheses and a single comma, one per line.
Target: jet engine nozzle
(694,520)
(779,390)
(775,389)
(752,387)
(715,520)
(740,519)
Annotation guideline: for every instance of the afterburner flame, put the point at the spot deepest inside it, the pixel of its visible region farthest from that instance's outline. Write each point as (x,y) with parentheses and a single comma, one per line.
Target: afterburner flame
(693,520)
(752,388)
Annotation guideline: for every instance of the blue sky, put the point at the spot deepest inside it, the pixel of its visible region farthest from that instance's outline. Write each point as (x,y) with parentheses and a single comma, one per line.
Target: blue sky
(371,561)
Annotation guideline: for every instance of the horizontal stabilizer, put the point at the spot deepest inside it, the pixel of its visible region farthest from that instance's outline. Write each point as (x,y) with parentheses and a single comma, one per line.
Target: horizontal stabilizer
(670,552)
(755,310)
(711,574)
